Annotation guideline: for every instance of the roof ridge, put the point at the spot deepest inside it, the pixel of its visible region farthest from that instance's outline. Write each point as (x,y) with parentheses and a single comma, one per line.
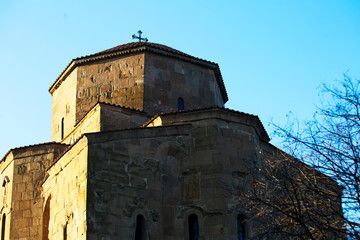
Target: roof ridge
(119,106)
(32,145)
(140,44)
(70,146)
(127,46)
(109,104)
(200,109)
(208,108)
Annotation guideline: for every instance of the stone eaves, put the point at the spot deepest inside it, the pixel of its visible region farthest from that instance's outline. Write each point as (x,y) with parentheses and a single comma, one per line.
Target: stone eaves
(130,132)
(137,47)
(114,134)
(105,104)
(132,110)
(263,134)
(25,148)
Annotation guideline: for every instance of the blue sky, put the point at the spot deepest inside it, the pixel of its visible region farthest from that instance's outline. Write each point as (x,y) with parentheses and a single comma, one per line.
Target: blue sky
(273,55)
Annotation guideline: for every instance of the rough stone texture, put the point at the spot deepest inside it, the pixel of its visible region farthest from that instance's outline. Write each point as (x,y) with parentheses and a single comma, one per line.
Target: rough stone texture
(118,81)
(144,81)
(115,118)
(66,187)
(166,173)
(89,123)
(135,164)
(64,106)
(22,202)
(167,79)
(7,171)
(105,117)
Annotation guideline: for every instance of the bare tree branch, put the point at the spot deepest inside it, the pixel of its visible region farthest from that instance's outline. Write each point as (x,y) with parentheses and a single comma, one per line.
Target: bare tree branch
(312,191)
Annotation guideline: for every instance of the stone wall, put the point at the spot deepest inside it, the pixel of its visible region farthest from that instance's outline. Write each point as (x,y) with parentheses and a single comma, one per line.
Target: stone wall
(7,186)
(28,165)
(64,106)
(167,79)
(142,81)
(89,123)
(115,118)
(106,117)
(65,192)
(118,81)
(126,178)
(166,174)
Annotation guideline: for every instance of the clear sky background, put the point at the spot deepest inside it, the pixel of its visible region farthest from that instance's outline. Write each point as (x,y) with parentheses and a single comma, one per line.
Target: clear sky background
(273,54)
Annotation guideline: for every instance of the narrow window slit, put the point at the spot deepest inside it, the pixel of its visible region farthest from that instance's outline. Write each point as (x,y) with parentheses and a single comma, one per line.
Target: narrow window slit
(62,128)
(3,222)
(240,228)
(140,232)
(193,227)
(180,104)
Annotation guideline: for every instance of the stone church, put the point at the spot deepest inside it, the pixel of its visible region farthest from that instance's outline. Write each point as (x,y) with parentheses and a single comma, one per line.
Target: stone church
(141,149)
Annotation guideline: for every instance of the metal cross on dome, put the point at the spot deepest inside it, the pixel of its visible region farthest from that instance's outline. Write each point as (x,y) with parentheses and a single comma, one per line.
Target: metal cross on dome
(139,37)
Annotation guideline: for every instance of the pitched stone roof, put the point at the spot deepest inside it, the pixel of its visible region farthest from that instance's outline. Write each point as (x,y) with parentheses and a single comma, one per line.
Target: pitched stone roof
(128,46)
(32,146)
(118,106)
(135,47)
(112,105)
(263,132)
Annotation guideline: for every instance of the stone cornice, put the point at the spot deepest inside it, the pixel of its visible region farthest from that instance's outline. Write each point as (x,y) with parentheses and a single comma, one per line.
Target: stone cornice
(146,48)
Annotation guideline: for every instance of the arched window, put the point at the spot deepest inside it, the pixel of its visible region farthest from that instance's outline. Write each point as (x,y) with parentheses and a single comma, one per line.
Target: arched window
(62,128)
(140,232)
(46,220)
(3,221)
(193,227)
(180,103)
(240,228)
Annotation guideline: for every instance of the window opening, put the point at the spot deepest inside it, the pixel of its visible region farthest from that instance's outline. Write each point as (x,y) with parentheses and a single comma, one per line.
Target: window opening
(3,227)
(193,227)
(6,180)
(140,232)
(240,228)
(180,103)
(65,231)
(62,128)
(46,220)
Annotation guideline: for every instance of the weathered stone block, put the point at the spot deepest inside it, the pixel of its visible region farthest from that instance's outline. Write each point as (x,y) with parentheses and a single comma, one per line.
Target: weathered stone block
(23,205)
